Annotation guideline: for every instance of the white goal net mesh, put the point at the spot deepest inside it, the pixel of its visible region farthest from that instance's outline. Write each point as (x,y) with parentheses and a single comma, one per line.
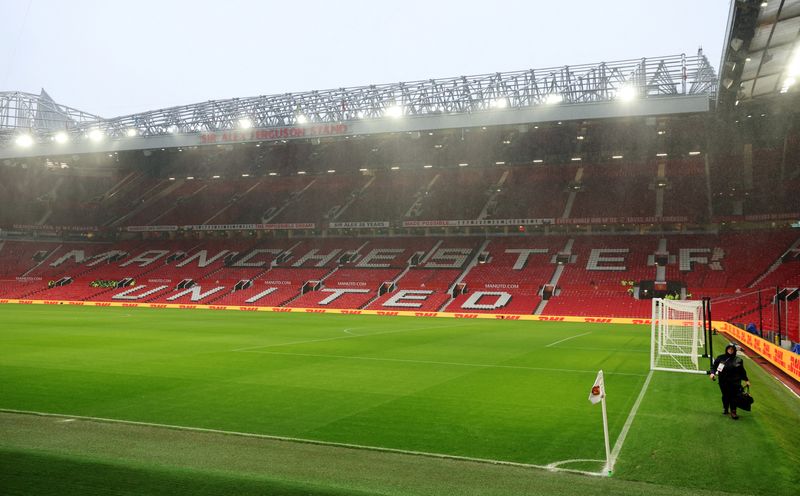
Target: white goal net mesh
(678,338)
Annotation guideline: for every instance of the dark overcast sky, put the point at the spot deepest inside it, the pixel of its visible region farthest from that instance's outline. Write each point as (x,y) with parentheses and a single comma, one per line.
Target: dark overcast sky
(118,57)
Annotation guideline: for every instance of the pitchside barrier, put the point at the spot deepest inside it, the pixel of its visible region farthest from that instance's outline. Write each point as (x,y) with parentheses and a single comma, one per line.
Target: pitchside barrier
(783,359)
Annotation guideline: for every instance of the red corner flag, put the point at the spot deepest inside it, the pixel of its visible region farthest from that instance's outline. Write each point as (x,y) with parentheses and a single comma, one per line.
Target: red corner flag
(598,391)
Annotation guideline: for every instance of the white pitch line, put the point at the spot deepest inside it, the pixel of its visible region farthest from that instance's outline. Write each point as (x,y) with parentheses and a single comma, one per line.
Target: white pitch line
(625,428)
(567,339)
(434,362)
(351,336)
(301,440)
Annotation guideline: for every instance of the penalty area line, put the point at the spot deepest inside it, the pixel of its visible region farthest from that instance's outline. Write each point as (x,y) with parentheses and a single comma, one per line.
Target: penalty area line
(553,467)
(567,339)
(349,336)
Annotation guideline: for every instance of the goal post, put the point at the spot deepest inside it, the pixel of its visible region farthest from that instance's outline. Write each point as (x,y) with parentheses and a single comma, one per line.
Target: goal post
(679,337)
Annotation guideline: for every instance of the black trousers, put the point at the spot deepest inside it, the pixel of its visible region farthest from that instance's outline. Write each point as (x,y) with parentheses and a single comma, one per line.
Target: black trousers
(729,392)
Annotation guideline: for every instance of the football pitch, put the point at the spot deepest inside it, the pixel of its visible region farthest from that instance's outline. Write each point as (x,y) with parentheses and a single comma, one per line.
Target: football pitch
(156,401)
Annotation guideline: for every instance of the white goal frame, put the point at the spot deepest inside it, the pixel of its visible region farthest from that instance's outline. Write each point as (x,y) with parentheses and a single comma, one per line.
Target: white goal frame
(678,337)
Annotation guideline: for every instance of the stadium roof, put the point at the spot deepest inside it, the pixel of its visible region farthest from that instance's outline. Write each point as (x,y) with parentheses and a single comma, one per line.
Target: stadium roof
(761,57)
(640,87)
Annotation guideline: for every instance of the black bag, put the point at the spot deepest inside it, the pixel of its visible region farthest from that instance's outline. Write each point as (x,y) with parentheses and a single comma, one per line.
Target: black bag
(743,399)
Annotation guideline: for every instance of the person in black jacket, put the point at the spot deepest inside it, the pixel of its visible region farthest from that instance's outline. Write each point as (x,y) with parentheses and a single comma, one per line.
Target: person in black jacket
(729,368)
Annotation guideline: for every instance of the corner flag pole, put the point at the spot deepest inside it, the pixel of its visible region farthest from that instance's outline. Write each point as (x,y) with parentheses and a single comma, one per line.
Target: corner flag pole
(607,468)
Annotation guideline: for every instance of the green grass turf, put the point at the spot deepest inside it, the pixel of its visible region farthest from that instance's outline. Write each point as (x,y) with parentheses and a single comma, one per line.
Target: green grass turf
(499,390)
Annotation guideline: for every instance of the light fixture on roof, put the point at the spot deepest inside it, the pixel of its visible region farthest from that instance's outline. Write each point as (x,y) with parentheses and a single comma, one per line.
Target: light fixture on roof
(331,171)
(537,161)
(764,4)
(428,166)
(506,142)
(394,167)
(616,157)
(500,103)
(273,173)
(174,129)
(301,172)
(245,175)
(694,153)
(394,111)
(661,132)
(301,119)
(189,177)
(580,138)
(61,137)
(463,164)
(131,132)
(245,123)
(214,177)
(554,98)
(661,154)
(96,135)
(792,71)
(172,179)
(362,170)
(626,93)
(500,163)
(576,159)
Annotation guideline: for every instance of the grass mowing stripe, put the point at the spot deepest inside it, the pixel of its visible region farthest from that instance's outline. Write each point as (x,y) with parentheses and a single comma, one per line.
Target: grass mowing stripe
(566,339)
(66,418)
(433,362)
(349,336)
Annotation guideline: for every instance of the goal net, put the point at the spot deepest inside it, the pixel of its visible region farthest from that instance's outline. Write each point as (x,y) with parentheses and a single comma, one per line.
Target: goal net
(678,335)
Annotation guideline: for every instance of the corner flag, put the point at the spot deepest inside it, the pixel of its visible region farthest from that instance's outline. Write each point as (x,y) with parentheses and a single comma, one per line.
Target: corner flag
(598,395)
(598,391)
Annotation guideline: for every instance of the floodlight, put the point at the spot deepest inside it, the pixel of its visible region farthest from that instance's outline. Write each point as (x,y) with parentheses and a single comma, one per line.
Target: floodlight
(616,157)
(394,111)
(427,166)
(301,172)
(172,179)
(245,123)
(24,140)
(576,159)
(273,173)
(61,137)
(463,164)
(362,170)
(500,103)
(301,119)
(538,161)
(554,98)
(661,154)
(96,135)
(214,177)
(395,167)
(130,133)
(626,93)
(331,171)
(500,163)
(694,153)
(189,177)
(245,175)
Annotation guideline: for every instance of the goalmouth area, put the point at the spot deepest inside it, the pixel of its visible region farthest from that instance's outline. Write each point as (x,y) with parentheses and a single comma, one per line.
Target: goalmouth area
(142,401)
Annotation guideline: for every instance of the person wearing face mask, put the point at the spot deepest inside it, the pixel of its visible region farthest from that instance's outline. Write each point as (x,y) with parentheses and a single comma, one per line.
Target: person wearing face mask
(729,369)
